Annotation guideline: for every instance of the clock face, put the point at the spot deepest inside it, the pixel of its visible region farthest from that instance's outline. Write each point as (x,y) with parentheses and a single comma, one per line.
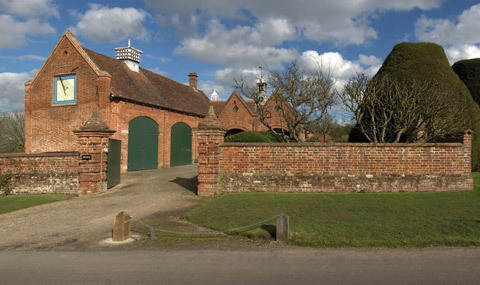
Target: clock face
(65,89)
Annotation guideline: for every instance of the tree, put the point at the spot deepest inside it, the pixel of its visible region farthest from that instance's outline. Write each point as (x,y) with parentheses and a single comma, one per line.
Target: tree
(12,131)
(420,75)
(301,98)
(469,72)
(390,110)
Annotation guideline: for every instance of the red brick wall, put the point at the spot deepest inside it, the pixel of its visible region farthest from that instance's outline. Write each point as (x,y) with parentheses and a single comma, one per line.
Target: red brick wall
(41,173)
(344,167)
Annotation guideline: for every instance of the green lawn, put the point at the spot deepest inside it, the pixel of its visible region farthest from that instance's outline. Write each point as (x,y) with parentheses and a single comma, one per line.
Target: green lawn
(14,203)
(355,220)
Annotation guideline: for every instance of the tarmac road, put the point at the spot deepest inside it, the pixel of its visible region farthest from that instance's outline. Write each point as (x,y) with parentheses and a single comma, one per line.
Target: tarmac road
(279,266)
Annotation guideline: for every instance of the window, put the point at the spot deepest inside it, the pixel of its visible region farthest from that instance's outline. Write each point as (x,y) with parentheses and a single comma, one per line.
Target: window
(235,109)
(65,89)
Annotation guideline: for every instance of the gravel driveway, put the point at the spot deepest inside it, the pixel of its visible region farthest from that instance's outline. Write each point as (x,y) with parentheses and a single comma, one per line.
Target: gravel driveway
(80,223)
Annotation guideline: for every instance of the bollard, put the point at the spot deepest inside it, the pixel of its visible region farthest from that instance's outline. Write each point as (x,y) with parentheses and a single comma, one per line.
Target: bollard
(121,227)
(282,228)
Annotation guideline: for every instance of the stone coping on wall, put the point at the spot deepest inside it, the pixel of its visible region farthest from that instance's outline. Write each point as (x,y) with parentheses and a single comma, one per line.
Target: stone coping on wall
(43,154)
(256,144)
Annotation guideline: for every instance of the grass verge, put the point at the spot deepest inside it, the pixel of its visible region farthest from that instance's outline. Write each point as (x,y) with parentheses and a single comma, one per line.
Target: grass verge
(14,203)
(421,219)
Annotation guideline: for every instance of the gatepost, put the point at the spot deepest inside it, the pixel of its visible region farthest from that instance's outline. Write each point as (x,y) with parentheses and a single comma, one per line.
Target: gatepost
(92,162)
(210,134)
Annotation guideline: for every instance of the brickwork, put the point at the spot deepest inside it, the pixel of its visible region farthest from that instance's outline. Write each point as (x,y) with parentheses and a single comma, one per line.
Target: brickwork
(93,142)
(341,167)
(45,173)
(48,127)
(210,134)
(242,119)
(236,113)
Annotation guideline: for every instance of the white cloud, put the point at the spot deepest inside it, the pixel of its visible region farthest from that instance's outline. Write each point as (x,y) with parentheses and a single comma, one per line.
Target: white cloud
(208,86)
(340,21)
(159,71)
(459,52)
(464,30)
(32,57)
(103,24)
(241,46)
(29,9)
(335,66)
(227,76)
(12,93)
(15,33)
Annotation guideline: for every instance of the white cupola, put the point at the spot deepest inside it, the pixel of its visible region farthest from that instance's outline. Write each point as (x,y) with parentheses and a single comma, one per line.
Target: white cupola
(129,55)
(214,96)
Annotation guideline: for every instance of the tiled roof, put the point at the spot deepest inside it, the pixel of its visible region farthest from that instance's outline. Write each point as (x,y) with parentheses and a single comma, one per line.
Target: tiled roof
(218,106)
(251,105)
(151,88)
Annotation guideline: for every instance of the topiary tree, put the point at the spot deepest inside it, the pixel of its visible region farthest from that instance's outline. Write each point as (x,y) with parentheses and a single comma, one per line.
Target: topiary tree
(469,72)
(254,136)
(415,96)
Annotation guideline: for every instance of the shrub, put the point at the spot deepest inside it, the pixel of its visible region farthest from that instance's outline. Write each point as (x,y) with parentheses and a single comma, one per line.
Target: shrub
(254,136)
(5,183)
(469,72)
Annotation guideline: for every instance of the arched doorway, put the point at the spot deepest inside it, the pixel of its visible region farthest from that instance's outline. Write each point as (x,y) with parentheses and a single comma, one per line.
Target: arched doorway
(142,144)
(180,145)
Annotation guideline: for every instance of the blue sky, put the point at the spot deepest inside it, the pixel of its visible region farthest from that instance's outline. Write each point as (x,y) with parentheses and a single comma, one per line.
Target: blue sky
(222,40)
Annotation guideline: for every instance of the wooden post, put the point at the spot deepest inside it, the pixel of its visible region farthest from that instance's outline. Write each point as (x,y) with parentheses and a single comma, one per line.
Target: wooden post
(121,227)
(282,228)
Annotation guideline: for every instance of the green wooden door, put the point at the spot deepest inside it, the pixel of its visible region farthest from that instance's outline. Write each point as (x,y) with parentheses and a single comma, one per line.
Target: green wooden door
(142,144)
(113,162)
(181,145)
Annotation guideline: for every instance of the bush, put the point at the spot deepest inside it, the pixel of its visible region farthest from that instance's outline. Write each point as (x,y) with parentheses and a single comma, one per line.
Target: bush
(427,61)
(5,183)
(254,136)
(469,72)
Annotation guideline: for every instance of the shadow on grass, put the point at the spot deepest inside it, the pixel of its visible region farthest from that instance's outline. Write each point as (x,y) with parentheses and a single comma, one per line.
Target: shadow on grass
(271,229)
(191,184)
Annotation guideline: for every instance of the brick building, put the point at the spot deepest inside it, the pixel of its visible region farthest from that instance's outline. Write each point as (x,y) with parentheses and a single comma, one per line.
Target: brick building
(151,115)
(238,115)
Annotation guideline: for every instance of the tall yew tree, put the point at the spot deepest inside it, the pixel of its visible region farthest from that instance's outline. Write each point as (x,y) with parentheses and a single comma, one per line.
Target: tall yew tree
(415,96)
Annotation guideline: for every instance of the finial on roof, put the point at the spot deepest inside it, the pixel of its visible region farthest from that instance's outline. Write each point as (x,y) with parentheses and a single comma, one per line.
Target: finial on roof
(214,95)
(211,111)
(129,42)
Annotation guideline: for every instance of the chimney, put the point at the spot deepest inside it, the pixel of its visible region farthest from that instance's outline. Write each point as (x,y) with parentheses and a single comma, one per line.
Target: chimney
(192,79)
(129,55)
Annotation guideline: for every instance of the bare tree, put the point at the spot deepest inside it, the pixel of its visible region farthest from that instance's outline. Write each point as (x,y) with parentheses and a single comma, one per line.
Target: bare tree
(12,131)
(390,110)
(301,98)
